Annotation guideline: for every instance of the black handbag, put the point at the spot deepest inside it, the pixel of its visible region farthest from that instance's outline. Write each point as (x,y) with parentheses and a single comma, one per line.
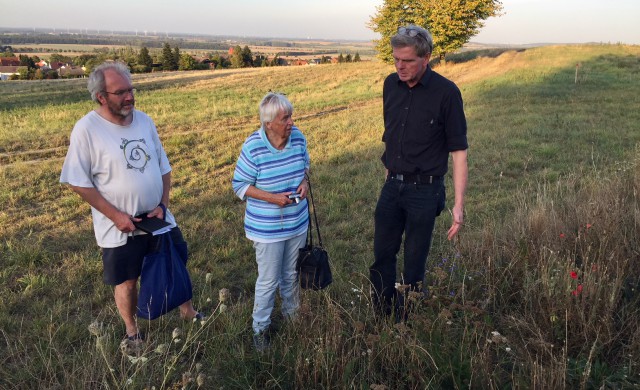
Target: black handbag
(313,261)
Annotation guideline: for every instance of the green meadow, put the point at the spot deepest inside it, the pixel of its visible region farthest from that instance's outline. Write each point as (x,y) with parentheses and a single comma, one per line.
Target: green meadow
(540,290)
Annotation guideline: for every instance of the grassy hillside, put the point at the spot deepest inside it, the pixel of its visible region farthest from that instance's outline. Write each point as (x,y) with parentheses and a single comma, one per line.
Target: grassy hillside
(539,291)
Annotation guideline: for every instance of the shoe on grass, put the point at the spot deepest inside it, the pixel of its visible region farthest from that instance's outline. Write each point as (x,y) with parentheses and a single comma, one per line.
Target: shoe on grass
(261,341)
(132,345)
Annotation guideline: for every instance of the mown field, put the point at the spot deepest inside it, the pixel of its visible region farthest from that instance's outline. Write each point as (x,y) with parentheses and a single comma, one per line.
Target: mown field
(539,291)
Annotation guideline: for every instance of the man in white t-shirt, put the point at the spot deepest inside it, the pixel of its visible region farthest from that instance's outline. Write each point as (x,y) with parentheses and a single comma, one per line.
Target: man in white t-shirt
(117,164)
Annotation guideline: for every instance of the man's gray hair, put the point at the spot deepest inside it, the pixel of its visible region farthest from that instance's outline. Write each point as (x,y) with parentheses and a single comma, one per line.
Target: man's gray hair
(422,42)
(271,105)
(96,82)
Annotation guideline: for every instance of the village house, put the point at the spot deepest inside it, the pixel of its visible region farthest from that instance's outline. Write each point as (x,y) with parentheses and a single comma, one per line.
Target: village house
(7,71)
(9,61)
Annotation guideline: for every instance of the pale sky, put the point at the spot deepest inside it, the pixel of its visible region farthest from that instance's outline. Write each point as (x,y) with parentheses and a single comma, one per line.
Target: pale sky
(524,21)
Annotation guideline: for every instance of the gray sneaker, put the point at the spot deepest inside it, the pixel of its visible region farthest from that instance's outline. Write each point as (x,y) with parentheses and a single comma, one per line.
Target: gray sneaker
(261,341)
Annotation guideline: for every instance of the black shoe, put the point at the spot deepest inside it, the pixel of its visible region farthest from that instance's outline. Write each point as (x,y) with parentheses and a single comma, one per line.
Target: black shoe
(261,341)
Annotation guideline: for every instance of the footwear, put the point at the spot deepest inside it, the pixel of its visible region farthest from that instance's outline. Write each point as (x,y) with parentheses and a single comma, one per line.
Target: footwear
(136,337)
(132,345)
(261,341)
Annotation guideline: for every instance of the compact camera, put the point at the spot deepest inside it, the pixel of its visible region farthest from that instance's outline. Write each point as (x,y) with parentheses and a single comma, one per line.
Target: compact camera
(295,197)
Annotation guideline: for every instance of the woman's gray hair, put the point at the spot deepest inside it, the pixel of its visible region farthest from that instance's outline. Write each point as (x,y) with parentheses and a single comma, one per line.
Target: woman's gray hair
(271,105)
(96,82)
(422,42)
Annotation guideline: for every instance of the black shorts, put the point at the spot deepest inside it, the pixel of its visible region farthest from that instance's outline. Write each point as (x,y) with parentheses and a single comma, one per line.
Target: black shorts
(125,262)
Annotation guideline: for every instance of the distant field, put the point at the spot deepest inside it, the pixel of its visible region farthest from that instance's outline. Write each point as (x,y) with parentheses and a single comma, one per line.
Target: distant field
(540,291)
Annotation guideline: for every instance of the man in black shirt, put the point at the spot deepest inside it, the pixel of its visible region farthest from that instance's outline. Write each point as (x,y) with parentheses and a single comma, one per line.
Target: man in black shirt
(424,122)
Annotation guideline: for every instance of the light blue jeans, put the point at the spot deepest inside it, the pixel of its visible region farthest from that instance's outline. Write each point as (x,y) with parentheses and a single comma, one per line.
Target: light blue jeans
(276,270)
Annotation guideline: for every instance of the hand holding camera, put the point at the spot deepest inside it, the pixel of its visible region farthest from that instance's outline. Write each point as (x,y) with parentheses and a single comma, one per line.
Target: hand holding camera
(295,197)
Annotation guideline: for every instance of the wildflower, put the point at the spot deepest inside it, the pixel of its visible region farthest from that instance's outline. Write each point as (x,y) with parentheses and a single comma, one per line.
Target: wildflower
(101,341)
(497,338)
(508,349)
(186,378)
(223,295)
(161,348)
(135,360)
(223,308)
(96,328)
(208,277)
(208,300)
(562,235)
(177,332)
(577,291)
(201,380)
(574,275)
(588,226)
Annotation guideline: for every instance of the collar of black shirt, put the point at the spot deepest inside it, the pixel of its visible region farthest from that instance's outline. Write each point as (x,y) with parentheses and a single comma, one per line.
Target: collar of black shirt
(423,80)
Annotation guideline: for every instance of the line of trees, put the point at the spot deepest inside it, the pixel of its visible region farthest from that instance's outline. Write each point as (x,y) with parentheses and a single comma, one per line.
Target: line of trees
(168,59)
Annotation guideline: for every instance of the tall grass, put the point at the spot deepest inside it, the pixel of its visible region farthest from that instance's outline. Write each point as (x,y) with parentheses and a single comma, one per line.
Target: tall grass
(539,291)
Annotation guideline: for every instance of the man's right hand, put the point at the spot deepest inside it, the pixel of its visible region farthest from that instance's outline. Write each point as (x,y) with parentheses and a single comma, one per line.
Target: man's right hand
(124,222)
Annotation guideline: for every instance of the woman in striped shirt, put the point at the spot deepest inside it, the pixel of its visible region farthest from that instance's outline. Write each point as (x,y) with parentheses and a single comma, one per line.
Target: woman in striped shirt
(270,176)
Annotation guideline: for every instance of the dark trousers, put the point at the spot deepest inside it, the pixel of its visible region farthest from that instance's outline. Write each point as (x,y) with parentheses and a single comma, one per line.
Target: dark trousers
(410,209)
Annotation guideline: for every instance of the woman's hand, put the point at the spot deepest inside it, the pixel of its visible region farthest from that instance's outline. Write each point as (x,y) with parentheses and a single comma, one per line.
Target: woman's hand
(281,199)
(303,188)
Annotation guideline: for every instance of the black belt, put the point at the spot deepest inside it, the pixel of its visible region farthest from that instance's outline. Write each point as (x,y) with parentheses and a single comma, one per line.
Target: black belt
(416,178)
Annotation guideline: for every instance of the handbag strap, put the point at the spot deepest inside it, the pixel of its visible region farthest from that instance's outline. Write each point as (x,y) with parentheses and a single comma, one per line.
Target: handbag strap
(311,206)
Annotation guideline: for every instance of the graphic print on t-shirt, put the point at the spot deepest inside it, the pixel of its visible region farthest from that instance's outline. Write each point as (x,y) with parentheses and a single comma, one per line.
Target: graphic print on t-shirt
(135,153)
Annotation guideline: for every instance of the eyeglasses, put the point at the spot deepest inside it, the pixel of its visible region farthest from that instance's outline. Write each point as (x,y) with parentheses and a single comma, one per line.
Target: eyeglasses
(413,32)
(122,92)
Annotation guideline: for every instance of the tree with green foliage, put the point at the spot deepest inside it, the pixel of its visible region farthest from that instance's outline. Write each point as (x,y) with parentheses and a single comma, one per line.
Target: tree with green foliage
(27,61)
(348,58)
(451,22)
(176,58)
(144,59)
(356,58)
(247,57)
(6,51)
(187,62)
(340,58)
(236,57)
(167,58)
(275,61)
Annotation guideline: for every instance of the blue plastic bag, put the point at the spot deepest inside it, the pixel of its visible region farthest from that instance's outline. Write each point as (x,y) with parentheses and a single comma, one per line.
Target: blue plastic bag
(164,279)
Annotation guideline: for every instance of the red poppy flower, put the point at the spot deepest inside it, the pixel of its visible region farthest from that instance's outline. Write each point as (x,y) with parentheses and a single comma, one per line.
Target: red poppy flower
(574,275)
(589,226)
(561,235)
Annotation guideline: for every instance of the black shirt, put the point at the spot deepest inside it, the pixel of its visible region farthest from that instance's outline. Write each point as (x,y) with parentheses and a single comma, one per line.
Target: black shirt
(422,124)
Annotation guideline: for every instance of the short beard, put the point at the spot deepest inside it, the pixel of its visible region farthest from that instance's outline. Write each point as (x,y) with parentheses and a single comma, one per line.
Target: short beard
(119,111)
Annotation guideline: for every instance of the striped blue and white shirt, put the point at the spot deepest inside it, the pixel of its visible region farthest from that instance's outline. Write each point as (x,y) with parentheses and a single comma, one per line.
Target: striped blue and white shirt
(274,171)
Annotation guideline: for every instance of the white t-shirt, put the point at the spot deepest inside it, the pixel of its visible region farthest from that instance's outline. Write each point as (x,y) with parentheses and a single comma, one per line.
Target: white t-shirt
(124,163)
